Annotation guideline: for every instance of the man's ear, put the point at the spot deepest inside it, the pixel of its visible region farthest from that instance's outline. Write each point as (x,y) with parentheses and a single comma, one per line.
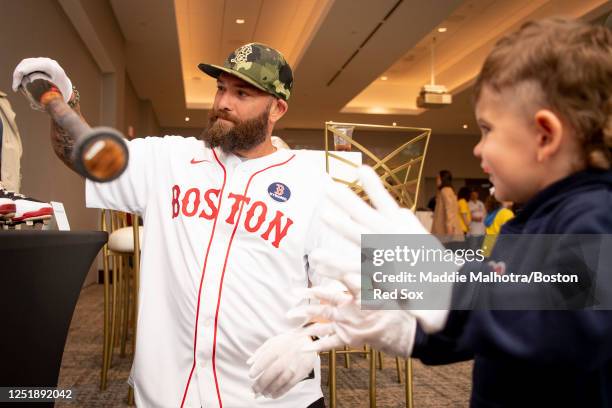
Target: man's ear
(278,109)
(549,129)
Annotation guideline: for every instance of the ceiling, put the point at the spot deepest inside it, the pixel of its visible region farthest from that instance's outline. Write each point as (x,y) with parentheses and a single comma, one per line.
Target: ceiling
(340,51)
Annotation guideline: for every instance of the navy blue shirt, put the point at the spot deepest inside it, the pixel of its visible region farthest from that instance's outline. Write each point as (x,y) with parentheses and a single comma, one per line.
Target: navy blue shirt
(538,358)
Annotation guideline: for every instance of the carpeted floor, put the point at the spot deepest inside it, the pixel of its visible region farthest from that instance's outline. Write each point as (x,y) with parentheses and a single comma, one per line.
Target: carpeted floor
(442,386)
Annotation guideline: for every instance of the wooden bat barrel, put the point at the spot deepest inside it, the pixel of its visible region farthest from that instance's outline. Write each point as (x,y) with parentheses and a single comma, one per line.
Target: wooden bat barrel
(99,154)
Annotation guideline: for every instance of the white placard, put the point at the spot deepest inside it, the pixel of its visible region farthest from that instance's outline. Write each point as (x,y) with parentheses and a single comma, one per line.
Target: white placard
(337,168)
(60,216)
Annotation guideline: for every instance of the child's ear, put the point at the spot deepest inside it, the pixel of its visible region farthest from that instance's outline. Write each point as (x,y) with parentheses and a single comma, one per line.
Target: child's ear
(549,131)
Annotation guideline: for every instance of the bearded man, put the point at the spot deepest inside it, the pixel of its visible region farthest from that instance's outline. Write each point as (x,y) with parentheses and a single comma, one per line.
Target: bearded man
(229,222)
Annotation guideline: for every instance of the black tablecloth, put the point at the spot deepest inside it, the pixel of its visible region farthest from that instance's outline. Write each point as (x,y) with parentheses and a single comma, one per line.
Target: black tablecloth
(41,274)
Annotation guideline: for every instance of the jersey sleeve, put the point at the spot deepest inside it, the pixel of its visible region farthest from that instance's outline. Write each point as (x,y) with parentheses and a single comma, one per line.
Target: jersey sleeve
(579,338)
(445,346)
(321,235)
(130,191)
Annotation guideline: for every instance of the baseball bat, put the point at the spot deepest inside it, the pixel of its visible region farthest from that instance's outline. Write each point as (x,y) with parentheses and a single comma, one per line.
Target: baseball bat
(99,154)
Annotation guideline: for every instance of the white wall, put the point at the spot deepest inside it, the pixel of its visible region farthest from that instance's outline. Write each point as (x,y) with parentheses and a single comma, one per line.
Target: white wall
(34,28)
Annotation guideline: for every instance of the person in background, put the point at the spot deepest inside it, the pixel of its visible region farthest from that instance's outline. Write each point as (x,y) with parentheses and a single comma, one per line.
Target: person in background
(498,213)
(431,204)
(464,210)
(446,225)
(476,230)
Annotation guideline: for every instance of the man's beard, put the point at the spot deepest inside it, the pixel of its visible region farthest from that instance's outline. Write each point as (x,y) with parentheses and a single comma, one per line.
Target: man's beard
(243,136)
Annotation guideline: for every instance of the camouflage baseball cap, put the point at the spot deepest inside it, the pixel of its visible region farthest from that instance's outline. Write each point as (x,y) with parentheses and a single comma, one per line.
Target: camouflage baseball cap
(259,65)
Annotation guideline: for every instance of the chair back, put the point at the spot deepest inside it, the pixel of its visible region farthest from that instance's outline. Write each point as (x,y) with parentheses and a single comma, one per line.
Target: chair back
(122,237)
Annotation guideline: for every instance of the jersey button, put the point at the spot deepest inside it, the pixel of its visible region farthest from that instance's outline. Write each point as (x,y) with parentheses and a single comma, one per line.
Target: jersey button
(202,364)
(207,322)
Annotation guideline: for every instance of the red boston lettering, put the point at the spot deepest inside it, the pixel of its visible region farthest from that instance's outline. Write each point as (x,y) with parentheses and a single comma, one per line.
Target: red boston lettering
(187,199)
(251,213)
(188,204)
(211,204)
(275,225)
(238,199)
(176,192)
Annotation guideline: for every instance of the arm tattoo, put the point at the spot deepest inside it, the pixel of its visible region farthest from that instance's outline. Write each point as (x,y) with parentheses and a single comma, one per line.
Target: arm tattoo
(62,142)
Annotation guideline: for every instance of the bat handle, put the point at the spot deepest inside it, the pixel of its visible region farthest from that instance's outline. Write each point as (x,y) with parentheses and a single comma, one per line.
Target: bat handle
(99,154)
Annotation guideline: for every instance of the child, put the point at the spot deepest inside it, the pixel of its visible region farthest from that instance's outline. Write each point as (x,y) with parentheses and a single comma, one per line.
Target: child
(497,215)
(544,105)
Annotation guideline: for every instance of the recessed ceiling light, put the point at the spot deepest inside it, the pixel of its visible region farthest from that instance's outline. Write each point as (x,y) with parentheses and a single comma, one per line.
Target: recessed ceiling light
(465,126)
(186,118)
(240,21)
(394,124)
(442,29)
(383,78)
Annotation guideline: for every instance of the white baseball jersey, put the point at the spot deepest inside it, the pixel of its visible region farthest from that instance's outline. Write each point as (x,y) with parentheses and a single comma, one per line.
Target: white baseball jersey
(224,243)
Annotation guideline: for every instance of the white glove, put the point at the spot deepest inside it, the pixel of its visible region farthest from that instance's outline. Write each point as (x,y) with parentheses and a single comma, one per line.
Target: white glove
(385,218)
(390,331)
(280,363)
(47,66)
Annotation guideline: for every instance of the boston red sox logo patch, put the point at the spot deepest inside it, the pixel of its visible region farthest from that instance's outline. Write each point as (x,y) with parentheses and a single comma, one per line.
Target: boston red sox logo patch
(279,192)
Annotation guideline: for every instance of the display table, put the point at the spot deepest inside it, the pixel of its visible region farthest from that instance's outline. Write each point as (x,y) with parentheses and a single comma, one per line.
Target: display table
(41,274)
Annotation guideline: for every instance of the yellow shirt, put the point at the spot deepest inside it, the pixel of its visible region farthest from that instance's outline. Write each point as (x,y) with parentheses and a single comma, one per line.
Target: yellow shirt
(503,215)
(464,211)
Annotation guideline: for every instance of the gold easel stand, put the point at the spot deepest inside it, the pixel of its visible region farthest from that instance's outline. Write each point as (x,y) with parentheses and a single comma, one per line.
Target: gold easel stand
(396,153)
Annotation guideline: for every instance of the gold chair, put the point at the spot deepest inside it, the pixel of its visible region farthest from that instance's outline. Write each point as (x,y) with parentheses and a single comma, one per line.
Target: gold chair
(370,354)
(120,298)
(347,362)
(398,366)
(409,383)
(373,357)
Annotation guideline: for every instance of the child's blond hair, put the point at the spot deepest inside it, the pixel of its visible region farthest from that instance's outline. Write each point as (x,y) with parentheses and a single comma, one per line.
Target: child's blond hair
(570,64)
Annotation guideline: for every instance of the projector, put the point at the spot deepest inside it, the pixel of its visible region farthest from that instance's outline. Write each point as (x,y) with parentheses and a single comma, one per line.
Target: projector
(434,96)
